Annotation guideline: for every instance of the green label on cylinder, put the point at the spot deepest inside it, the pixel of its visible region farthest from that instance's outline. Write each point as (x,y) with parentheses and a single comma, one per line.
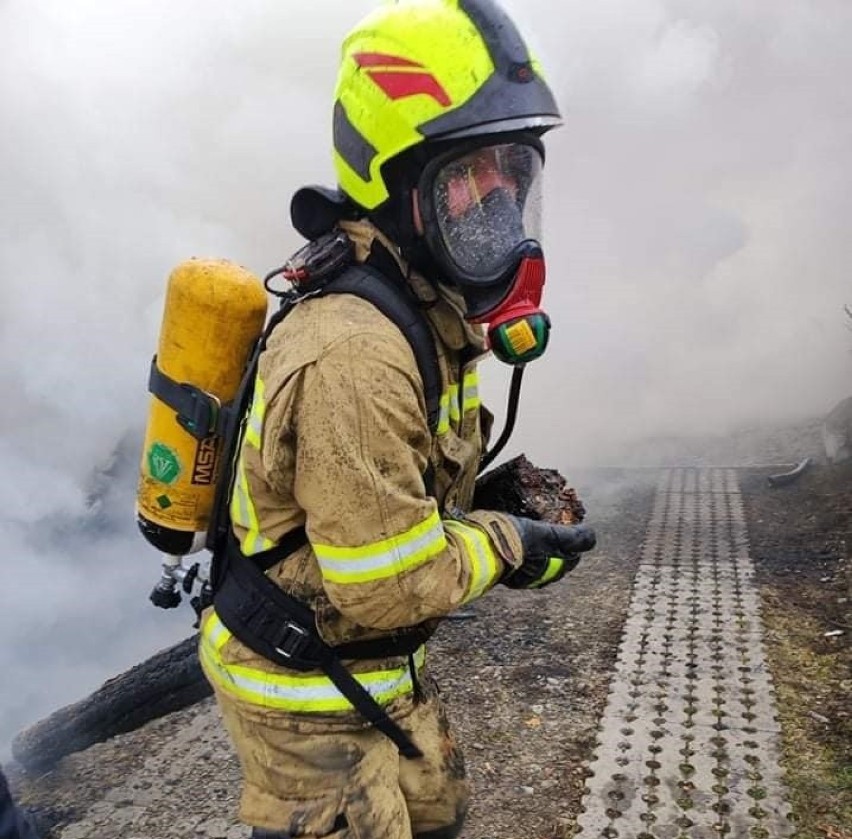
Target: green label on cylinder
(163,464)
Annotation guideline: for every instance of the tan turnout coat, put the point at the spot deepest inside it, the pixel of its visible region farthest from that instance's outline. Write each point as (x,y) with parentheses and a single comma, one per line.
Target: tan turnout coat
(337,441)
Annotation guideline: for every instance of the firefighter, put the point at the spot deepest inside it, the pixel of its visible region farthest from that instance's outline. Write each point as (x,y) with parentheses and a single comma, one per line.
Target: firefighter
(13,823)
(355,508)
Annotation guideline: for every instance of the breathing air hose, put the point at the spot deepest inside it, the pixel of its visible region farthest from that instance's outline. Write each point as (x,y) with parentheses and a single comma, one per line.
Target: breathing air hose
(511,417)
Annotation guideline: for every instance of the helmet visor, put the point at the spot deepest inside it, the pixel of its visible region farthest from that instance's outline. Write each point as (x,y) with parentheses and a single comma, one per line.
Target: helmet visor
(487,203)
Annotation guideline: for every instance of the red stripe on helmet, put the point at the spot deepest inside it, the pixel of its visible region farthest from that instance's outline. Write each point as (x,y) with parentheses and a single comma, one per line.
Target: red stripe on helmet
(378,59)
(399,85)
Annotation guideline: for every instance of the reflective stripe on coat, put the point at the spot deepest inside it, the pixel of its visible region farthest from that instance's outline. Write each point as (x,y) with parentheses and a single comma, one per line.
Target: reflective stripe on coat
(337,440)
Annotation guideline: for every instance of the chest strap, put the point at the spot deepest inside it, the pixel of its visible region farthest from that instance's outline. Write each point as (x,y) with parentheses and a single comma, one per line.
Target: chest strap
(280,628)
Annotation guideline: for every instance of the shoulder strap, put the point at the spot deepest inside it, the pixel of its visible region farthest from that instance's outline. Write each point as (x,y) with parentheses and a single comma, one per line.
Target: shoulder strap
(280,628)
(397,303)
(234,422)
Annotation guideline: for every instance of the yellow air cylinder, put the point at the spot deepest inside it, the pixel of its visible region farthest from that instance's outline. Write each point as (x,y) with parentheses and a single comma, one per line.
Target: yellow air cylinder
(214,313)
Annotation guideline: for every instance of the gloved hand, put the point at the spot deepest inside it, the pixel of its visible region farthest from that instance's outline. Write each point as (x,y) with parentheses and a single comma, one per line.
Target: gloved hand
(550,551)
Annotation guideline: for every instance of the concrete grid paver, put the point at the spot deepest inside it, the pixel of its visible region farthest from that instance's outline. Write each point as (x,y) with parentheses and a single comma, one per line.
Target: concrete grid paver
(688,745)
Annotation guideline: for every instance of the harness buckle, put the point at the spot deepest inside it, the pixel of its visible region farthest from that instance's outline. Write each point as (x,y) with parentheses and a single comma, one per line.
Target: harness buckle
(199,413)
(202,419)
(294,640)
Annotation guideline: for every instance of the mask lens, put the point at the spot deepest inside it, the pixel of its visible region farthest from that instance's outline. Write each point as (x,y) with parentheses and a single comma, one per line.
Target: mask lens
(488,202)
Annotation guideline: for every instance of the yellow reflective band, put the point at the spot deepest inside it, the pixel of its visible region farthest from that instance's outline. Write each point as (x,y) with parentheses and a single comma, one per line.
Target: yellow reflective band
(240,513)
(243,513)
(485,567)
(451,409)
(470,399)
(387,558)
(254,426)
(455,413)
(214,632)
(444,415)
(554,566)
(294,692)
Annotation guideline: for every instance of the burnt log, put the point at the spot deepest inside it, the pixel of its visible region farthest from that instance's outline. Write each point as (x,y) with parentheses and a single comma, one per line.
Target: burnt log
(522,489)
(166,682)
(172,679)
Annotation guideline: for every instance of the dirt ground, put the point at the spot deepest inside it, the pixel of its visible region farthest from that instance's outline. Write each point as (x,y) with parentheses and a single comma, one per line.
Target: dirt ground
(801,541)
(525,679)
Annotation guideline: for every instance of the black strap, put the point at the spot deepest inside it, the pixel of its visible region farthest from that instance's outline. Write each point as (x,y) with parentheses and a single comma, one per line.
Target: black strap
(198,412)
(250,605)
(294,540)
(264,607)
(219,528)
(399,305)
(280,628)
(368,708)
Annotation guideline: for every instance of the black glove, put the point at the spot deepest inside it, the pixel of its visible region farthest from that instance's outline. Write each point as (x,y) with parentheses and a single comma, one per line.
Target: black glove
(550,551)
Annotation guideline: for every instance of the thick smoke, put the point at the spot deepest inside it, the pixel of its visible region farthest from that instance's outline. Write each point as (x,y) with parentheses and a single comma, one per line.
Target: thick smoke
(697,197)
(697,200)
(136,134)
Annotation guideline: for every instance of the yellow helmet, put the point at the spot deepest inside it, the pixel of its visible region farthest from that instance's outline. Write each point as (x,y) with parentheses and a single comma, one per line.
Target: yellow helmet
(418,71)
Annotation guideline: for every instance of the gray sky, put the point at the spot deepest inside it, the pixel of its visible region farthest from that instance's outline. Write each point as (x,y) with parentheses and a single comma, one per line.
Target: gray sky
(697,204)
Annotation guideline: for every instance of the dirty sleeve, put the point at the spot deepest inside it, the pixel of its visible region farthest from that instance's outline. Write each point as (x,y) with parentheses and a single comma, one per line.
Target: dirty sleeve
(387,557)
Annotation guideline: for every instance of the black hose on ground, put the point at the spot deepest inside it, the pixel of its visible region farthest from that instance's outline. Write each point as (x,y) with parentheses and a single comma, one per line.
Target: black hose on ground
(785,478)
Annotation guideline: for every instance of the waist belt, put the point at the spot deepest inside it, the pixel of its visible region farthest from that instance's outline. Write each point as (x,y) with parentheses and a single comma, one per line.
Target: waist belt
(280,628)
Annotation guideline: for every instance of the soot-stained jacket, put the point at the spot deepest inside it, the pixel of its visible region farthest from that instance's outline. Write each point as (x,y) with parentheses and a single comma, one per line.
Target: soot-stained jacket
(338,441)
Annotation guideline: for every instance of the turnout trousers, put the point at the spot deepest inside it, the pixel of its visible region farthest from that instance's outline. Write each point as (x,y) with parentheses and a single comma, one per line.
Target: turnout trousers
(312,776)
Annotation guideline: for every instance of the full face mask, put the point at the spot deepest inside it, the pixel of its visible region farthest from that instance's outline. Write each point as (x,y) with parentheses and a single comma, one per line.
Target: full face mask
(481,215)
